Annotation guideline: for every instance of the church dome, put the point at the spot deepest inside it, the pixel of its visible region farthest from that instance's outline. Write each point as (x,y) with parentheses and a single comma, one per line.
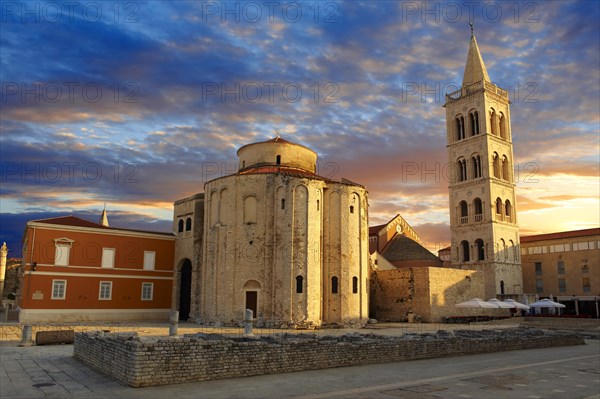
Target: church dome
(277,153)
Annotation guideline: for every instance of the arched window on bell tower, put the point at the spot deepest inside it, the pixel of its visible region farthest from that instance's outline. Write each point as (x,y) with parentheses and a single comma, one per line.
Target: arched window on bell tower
(460,127)
(496,165)
(464,246)
(505,174)
(478,209)
(493,122)
(464,212)
(507,210)
(502,124)
(480,249)
(476,162)
(462,169)
(474,123)
(499,209)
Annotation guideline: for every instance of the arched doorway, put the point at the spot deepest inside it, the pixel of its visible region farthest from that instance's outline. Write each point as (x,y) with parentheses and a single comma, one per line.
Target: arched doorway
(185,290)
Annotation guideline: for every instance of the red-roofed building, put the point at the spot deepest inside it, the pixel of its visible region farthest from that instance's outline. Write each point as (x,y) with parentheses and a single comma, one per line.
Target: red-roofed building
(566,266)
(74,269)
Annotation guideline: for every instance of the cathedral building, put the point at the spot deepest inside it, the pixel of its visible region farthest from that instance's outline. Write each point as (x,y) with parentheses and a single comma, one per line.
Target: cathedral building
(483,212)
(275,238)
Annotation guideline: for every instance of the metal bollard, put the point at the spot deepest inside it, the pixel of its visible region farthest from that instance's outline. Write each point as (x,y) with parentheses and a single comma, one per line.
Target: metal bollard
(173,323)
(26,336)
(248,323)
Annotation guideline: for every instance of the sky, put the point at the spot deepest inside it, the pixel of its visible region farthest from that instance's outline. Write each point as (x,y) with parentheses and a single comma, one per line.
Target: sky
(137,104)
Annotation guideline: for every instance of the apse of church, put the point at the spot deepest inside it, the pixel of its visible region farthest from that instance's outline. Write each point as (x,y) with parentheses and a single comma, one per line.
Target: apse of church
(278,239)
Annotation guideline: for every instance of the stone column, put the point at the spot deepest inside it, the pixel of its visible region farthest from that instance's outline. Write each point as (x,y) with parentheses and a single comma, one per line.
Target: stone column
(3,254)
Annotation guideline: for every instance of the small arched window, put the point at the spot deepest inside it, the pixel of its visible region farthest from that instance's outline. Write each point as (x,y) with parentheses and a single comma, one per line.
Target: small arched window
(464,246)
(180,226)
(278,159)
(354,285)
(505,168)
(508,210)
(318,205)
(474,120)
(480,249)
(283,203)
(496,164)
(188,224)
(502,287)
(502,124)
(478,209)
(499,207)
(476,161)
(464,212)
(493,122)
(460,127)
(351,208)
(462,169)
(299,284)
(334,285)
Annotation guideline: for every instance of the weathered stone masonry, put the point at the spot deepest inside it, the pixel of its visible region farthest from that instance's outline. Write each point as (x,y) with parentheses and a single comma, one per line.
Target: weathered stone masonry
(138,362)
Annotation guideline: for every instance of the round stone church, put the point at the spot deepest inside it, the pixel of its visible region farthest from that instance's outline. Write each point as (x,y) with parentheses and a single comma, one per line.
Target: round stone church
(275,238)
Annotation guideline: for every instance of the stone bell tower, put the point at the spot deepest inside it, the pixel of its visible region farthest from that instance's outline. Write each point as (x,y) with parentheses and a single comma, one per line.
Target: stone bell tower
(483,213)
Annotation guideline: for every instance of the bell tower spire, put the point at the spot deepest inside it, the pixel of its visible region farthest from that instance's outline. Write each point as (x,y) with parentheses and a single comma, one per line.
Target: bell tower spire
(475,69)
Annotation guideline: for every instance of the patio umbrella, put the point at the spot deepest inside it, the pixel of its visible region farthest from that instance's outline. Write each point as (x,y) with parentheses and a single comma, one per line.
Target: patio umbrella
(477,303)
(546,303)
(516,304)
(500,304)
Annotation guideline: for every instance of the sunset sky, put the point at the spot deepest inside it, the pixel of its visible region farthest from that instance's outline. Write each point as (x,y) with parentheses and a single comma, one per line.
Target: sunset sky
(137,104)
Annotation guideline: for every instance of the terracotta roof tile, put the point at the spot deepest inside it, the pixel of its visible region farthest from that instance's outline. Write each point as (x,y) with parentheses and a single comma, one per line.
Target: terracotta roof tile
(78,222)
(562,234)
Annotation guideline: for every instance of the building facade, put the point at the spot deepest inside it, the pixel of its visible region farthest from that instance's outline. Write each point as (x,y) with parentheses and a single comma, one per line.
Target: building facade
(75,270)
(278,239)
(565,266)
(483,213)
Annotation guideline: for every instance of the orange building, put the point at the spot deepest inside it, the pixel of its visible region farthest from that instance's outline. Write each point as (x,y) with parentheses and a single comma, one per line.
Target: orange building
(74,270)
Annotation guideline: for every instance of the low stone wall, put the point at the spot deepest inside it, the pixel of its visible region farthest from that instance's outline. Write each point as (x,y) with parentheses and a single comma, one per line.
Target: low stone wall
(140,362)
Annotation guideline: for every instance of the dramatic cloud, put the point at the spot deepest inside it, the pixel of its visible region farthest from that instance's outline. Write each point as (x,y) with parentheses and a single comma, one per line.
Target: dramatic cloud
(139,103)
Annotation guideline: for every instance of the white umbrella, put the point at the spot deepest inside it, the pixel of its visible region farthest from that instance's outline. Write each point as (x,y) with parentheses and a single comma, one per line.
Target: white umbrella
(476,303)
(546,303)
(500,304)
(516,304)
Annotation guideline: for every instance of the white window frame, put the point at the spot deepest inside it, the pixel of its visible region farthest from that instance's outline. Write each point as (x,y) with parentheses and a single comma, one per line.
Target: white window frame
(108,258)
(100,298)
(64,293)
(147,264)
(65,244)
(151,285)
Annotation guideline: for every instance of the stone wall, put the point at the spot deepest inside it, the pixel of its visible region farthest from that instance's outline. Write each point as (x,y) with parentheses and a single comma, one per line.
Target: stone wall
(140,363)
(428,292)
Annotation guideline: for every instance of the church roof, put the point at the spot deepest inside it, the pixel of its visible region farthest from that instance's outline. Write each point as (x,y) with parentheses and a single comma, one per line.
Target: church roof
(293,172)
(70,221)
(403,248)
(562,234)
(79,222)
(475,69)
(277,140)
